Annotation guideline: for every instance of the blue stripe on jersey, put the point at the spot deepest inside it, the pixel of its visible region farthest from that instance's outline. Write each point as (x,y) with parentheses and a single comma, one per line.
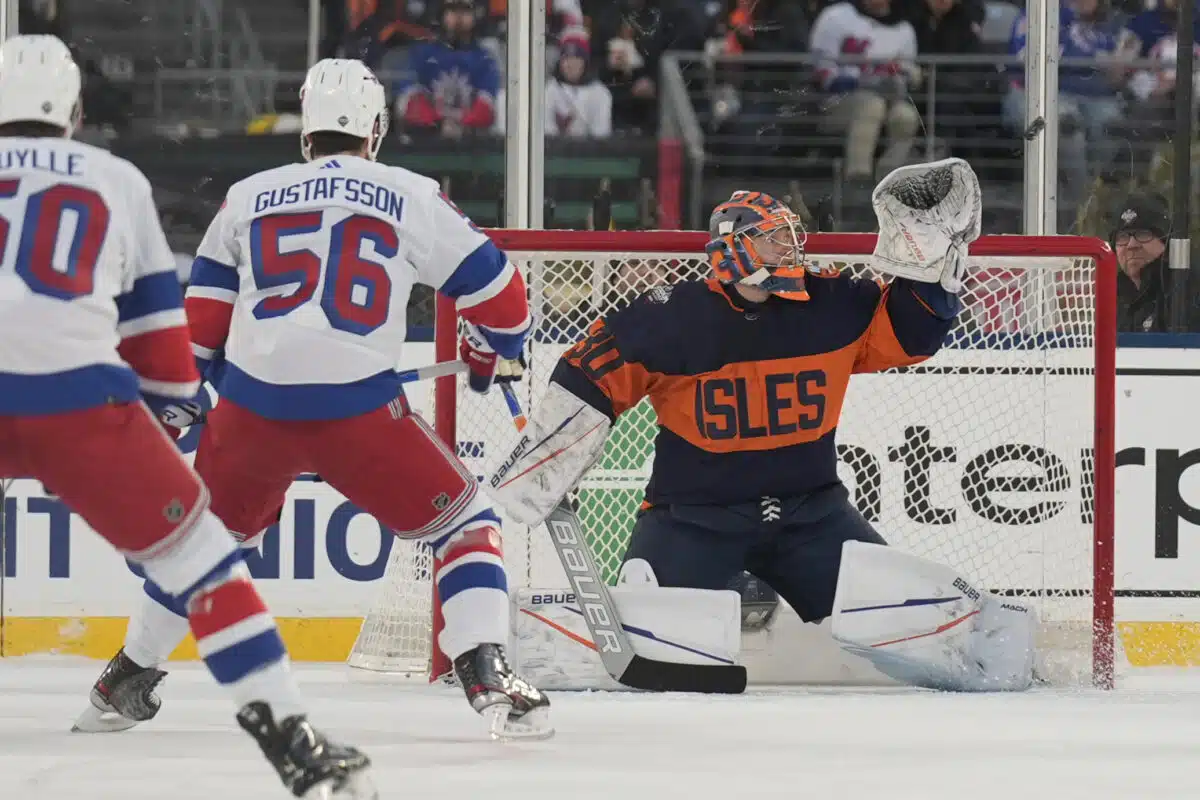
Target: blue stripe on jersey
(176,605)
(508,345)
(473,575)
(207,272)
(486,514)
(308,401)
(150,293)
(476,271)
(241,658)
(70,390)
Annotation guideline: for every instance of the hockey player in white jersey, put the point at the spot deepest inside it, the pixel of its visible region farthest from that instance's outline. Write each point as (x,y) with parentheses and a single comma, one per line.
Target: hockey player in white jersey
(299,295)
(92,333)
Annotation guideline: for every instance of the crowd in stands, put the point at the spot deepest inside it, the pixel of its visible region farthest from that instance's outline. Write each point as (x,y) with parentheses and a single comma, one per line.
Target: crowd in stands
(862,83)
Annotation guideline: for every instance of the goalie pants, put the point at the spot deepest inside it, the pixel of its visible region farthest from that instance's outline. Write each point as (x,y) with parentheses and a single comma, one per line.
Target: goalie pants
(792,544)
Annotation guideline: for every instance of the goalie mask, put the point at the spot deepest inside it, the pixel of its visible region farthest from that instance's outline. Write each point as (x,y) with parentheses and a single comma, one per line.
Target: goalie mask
(758,241)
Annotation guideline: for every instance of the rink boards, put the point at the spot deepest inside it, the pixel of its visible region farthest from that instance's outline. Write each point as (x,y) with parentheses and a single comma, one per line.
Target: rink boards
(62,590)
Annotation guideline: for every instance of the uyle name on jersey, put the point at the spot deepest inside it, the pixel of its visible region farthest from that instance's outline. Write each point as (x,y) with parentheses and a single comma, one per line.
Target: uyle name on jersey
(41,159)
(352,190)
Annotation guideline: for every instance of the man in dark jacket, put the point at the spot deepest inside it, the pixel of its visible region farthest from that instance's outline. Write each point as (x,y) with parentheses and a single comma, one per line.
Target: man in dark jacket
(1140,241)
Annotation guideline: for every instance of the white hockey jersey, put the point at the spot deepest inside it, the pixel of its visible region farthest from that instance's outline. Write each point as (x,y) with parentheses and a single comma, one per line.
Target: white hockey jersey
(91,310)
(301,285)
(842,30)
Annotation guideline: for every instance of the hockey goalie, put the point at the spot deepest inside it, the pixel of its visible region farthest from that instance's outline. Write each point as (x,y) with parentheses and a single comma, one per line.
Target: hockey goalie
(747,371)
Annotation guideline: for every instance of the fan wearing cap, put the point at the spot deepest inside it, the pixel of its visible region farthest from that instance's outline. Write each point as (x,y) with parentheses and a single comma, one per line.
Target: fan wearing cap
(577,104)
(1140,241)
(747,372)
(455,79)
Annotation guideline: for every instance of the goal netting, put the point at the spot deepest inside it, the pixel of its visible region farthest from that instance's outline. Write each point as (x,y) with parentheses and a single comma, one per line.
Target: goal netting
(994,457)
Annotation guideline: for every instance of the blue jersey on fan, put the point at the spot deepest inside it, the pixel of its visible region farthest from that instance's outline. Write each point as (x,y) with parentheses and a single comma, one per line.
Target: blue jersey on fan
(1077,38)
(454,77)
(1148,27)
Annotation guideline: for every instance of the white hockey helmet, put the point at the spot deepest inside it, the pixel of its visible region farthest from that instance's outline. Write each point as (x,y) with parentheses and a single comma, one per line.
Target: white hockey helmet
(344,96)
(39,82)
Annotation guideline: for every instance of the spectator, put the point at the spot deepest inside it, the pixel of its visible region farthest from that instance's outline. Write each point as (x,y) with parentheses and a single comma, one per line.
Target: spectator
(1088,103)
(964,93)
(766,26)
(945,27)
(377,28)
(864,98)
(454,79)
(1147,27)
(561,15)
(1140,242)
(577,105)
(747,92)
(1152,91)
(633,34)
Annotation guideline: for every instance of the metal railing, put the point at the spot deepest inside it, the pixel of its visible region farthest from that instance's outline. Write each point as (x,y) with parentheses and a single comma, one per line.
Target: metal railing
(253,91)
(723,104)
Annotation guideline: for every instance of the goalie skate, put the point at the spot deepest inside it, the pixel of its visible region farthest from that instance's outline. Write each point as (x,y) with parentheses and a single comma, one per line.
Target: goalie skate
(122,697)
(310,766)
(513,708)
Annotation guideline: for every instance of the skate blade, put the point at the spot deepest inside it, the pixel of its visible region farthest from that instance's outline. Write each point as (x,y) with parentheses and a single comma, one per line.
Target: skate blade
(356,786)
(532,726)
(98,720)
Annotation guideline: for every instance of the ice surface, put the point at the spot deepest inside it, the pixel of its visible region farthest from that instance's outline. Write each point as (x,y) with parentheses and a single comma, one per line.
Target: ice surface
(1139,743)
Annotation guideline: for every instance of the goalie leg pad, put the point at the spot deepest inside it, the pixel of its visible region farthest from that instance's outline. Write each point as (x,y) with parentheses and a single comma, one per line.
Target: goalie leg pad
(473,588)
(922,624)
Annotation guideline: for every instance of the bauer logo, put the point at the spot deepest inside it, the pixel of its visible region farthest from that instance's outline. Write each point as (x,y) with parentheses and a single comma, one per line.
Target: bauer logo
(966,588)
(552,599)
(594,604)
(510,462)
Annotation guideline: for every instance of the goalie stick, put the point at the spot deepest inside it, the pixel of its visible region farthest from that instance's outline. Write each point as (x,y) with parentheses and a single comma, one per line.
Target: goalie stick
(600,614)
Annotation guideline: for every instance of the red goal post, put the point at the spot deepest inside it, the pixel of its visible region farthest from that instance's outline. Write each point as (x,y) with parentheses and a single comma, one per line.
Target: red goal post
(1042,312)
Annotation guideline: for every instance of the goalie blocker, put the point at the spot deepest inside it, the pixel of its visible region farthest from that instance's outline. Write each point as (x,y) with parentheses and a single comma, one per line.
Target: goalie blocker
(756,489)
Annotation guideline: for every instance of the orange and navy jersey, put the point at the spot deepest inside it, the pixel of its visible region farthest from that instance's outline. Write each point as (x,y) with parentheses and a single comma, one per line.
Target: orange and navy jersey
(748,396)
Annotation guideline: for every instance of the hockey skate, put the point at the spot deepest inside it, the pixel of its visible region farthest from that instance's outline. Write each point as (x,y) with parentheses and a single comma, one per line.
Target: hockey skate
(513,707)
(122,697)
(309,765)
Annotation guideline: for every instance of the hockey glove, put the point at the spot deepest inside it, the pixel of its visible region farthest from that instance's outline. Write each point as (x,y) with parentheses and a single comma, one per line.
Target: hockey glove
(511,370)
(481,360)
(183,415)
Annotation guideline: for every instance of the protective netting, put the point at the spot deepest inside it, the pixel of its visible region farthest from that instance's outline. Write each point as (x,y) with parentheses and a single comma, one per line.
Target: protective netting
(980,458)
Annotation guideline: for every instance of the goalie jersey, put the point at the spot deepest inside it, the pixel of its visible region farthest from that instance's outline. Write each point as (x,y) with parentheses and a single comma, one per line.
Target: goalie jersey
(91,311)
(301,285)
(748,396)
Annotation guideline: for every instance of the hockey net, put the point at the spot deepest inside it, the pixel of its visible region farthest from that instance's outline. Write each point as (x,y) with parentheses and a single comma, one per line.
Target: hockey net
(994,457)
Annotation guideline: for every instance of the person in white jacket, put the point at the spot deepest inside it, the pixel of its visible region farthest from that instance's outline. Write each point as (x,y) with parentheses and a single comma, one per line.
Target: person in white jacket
(577,104)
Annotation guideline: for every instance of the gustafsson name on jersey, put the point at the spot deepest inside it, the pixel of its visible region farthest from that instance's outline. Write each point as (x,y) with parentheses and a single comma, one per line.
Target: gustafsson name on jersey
(352,190)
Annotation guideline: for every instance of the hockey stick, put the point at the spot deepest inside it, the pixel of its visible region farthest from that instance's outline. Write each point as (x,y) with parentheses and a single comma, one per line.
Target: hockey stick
(438,370)
(611,641)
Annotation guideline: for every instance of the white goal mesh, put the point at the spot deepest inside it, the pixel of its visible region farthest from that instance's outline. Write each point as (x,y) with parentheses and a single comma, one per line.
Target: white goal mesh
(994,457)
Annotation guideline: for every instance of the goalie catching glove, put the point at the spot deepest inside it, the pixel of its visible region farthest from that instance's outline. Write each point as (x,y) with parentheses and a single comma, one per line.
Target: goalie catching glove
(928,214)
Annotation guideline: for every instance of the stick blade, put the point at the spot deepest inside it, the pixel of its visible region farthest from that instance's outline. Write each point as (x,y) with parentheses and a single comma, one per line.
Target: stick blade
(665,676)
